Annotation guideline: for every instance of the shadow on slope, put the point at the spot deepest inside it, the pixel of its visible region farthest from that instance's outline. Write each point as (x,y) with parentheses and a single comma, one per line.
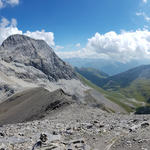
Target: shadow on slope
(32,104)
(143,110)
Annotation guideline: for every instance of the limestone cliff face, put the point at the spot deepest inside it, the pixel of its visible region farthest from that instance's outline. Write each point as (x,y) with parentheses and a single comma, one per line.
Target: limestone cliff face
(37,54)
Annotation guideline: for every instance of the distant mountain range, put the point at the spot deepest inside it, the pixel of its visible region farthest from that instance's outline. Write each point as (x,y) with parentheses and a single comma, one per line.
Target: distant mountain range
(108,66)
(132,83)
(125,79)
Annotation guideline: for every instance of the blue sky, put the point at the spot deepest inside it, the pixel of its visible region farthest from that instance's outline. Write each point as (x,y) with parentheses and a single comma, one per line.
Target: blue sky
(73,22)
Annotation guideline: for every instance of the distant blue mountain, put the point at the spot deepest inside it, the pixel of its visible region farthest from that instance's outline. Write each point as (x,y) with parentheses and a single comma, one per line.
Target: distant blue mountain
(107,66)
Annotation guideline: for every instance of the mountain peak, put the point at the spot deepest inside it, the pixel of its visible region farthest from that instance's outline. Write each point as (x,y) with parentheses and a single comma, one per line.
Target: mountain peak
(18,36)
(35,53)
(17,39)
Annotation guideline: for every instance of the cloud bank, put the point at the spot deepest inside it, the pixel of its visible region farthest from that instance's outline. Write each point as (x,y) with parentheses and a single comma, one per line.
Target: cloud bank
(46,36)
(8,28)
(121,47)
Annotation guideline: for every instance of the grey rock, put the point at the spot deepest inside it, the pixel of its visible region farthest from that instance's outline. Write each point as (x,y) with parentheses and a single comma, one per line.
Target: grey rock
(144,125)
(35,53)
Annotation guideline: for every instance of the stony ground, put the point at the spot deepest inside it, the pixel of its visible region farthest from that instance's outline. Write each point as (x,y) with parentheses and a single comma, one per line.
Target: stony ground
(79,128)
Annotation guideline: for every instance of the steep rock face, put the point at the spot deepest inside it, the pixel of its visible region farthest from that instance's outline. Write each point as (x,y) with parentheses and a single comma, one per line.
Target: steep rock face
(35,53)
(28,63)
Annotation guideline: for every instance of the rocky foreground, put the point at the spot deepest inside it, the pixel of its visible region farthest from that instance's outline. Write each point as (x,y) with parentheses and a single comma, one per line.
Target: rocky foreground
(79,127)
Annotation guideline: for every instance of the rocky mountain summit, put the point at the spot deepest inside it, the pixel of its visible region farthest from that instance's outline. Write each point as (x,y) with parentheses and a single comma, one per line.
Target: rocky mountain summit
(27,63)
(36,53)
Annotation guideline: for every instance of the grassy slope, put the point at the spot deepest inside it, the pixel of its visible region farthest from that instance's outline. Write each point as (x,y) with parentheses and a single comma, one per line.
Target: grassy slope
(95,76)
(125,89)
(134,83)
(139,89)
(113,96)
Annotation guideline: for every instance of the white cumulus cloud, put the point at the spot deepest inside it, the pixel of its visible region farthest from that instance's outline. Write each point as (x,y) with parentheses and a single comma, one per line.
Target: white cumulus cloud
(12,2)
(146,17)
(144,1)
(78,45)
(46,36)
(4,3)
(121,47)
(1,4)
(8,28)
(58,47)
